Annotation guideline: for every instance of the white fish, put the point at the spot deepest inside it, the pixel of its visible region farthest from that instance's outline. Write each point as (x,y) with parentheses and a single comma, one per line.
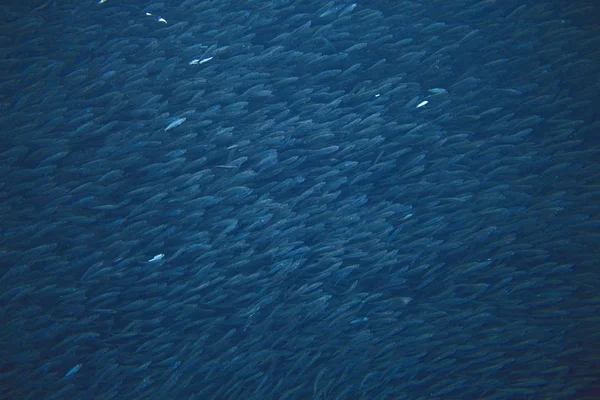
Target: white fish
(198,61)
(157,257)
(175,123)
(421,104)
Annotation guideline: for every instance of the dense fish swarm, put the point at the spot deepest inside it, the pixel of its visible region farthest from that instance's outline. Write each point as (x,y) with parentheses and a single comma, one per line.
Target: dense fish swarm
(302,199)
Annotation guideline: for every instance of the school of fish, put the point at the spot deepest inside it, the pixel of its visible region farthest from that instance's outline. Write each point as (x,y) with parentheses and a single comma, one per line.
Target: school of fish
(310,199)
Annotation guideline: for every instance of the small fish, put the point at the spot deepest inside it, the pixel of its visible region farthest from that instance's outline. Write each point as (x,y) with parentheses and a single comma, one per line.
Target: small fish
(436,91)
(175,123)
(198,61)
(73,370)
(157,257)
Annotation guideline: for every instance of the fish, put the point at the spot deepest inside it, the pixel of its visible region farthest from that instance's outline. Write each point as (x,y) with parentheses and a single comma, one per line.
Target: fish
(73,370)
(295,201)
(157,257)
(175,123)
